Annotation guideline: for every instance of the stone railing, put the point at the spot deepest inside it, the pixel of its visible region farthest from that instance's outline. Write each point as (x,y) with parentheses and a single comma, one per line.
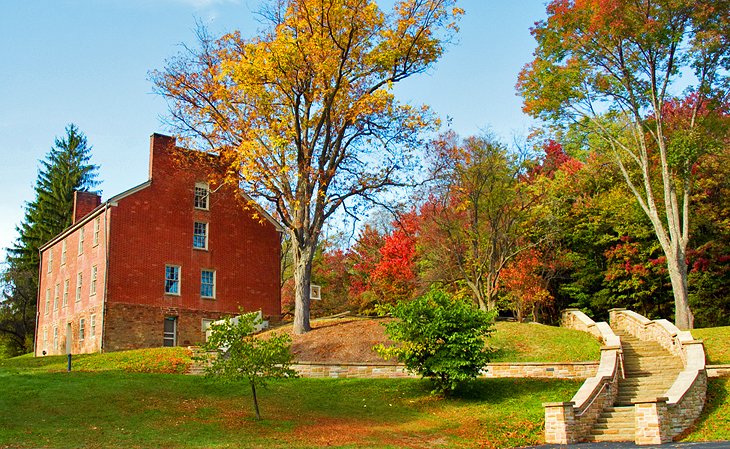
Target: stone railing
(571,422)
(660,420)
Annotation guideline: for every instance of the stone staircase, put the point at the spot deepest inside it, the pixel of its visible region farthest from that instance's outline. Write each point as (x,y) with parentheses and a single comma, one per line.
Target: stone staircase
(649,371)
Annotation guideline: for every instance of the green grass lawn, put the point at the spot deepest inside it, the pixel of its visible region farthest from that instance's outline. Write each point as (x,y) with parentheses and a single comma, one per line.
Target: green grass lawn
(528,342)
(717,343)
(118,409)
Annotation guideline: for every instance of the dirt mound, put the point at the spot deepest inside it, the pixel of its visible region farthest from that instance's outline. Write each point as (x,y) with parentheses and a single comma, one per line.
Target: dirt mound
(342,340)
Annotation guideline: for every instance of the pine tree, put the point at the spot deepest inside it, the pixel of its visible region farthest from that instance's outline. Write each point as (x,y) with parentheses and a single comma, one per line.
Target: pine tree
(66,168)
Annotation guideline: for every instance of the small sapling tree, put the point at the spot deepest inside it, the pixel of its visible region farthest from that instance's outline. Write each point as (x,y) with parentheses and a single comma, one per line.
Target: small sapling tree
(235,354)
(439,337)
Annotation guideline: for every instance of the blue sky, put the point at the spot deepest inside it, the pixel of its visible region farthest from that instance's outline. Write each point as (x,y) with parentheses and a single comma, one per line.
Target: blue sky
(87,62)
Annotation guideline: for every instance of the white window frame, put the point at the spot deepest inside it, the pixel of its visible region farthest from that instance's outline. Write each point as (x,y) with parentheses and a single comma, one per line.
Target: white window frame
(205,198)
(55,338)
(50,260)
(97,227)
(65,292)
(213,284)
(63,252)
(56,289)
(48,300)
(92,326)
(82,232)
(82,329)
(178,280)
(204,225)
(79,285)
(92,288)
(45,338)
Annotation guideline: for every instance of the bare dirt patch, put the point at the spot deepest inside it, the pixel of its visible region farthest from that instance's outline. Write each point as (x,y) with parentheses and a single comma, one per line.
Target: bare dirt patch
(342,340)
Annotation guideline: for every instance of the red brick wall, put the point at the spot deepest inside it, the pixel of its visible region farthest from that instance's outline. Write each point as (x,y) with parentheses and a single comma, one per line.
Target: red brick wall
(154,227)
(84,202)
(93,254)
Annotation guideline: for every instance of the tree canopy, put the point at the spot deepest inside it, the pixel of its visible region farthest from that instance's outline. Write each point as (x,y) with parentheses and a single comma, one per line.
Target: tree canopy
(304,114)
(613,68)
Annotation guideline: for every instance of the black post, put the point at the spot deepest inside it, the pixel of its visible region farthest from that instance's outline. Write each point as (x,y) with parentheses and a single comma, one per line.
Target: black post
(69,362)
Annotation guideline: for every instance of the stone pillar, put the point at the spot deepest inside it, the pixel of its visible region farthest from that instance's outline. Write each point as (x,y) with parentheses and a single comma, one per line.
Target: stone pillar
(613,315)
(560,423)
(653,424)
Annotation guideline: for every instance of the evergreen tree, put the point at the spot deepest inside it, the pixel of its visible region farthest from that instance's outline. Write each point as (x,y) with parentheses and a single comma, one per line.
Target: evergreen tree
(66,168)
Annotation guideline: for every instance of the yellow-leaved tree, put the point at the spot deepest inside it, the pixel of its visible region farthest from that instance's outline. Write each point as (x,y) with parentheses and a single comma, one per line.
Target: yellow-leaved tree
(304,115)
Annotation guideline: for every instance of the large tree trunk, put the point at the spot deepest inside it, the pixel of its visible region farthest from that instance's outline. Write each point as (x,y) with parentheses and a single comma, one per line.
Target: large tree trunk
(303,255)
(677,267)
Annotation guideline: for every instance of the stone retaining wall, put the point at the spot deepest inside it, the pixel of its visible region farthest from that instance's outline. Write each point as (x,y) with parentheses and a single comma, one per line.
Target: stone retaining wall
(718,371)
(686,397)
(577,370)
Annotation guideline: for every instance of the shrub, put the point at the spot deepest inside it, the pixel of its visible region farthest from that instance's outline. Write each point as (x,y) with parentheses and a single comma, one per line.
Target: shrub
(439,337)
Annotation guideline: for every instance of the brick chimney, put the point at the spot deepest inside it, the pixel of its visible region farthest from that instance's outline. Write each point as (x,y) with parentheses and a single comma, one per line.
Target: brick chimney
(84,202)
(162,149)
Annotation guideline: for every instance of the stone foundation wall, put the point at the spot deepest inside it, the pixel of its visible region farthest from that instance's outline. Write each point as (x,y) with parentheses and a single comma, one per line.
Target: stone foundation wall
(134,326)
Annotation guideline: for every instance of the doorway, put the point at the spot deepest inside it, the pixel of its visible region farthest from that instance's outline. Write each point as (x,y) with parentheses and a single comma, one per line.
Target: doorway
(169,336)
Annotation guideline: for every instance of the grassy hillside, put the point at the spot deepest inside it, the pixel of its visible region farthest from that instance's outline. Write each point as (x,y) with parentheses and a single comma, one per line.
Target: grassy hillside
(717,343)
(155,360)
(116,409)
(352,340)
(531,342)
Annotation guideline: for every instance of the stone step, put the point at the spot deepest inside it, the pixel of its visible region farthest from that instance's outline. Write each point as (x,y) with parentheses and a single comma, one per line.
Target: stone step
(600,437)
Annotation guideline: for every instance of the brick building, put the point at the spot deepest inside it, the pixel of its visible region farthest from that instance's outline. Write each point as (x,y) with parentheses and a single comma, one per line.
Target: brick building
(154,265)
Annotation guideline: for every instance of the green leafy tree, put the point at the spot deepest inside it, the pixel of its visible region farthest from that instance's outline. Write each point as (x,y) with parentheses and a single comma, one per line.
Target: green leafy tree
(235,354)
(439,337)
(612,67)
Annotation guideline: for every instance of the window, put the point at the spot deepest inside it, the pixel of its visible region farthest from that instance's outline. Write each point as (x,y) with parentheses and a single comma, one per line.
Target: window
(207,283)
(63,252)
(45,339)
(50,260)
(169,335)
(55,339)
(200,235)
(97,226)
(55,296)
(79,283)
(81,241)
(48,300)
(172,279)
(65,293)
(82,329)
(93,280)
(201,196)
(92,326)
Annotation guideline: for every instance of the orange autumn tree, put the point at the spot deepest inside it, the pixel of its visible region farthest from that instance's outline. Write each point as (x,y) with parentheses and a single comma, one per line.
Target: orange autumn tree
(304,114)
